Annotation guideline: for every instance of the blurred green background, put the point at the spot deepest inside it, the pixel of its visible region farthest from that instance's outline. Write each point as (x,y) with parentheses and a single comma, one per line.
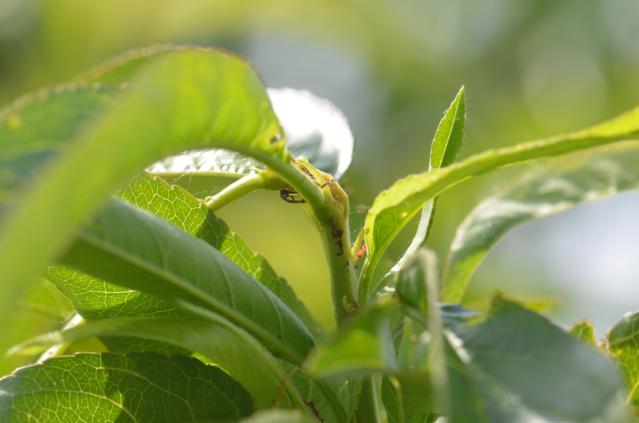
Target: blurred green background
(531,68)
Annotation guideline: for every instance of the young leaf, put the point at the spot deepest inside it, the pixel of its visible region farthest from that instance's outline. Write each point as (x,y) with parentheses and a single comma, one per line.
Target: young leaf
(122,388)
(183,100)
(449,133)
(444,149)
(622,344)
(136,249)
(555,188)
(395,207)
(585,331)
(549,371)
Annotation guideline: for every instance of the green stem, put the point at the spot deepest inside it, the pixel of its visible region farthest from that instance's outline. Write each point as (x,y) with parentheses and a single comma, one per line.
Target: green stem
(368,408)
(238,189)
(329,204)
(426,186)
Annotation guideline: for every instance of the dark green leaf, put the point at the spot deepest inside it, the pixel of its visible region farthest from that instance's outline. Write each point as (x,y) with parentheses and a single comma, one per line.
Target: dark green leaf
(555,188)
(406,398)
(520,353)
(97,299)
(121,388)
(219,342)
(138,250)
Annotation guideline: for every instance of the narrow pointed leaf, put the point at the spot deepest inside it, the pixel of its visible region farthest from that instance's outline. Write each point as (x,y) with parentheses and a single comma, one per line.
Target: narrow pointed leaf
(138,250)
(395,207)
(121,388)
(552,189)
(185,99)
(449,133)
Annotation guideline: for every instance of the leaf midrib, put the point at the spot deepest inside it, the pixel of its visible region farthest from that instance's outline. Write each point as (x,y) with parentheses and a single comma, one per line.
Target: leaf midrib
(197,293)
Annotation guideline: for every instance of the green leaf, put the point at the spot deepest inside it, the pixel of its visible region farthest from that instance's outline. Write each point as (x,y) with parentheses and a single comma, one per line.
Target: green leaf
(186,99)
(622,345)
(364,345)
(124,388)
(422,357)
(279,416)
(552,189)
(220,342)
(585,331)
(333,399)
(314,127)
(43,298)
(96,299)
(406,398)
(30,138)
(449,133)
(395,207)
(444,149)
(551,372)
(133,248)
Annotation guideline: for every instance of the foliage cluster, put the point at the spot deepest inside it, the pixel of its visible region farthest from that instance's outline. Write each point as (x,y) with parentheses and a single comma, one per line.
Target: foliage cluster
(197,327)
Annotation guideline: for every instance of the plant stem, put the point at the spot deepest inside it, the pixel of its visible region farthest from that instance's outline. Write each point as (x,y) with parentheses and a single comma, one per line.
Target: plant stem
(368,409)
(238,189)
(329,204)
